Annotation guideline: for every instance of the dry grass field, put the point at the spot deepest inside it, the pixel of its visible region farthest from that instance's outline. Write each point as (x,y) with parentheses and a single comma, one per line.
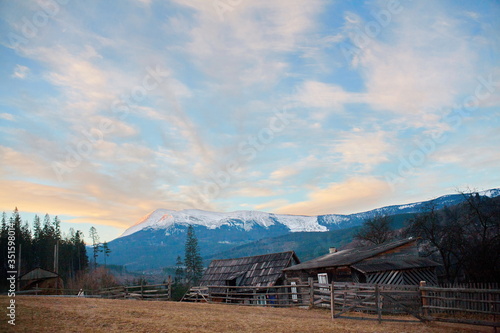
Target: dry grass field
(59,314)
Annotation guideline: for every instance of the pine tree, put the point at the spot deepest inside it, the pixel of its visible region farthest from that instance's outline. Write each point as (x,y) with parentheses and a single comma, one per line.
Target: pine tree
(37,227)
(179,270)
(80,252)
(4,226)
(106,250)
(57,228)
(46,244)
(95,245)
(192,260)
(47,230)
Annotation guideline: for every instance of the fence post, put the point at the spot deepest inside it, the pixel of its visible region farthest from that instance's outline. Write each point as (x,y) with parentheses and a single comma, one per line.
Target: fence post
(425,300)
(142,289)
(377,303)
(332,301)
(311,292)
(169,288)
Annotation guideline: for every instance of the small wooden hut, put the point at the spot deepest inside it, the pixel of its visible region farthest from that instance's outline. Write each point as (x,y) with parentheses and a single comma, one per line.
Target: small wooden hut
(395,262)
(41,278)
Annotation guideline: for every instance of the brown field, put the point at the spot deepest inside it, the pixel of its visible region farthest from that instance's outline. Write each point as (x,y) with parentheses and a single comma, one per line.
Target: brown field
(59,314)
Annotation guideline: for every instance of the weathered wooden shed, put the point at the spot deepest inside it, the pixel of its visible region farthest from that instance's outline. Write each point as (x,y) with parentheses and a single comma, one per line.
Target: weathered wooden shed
(262,270)
(395,262)
(41,278)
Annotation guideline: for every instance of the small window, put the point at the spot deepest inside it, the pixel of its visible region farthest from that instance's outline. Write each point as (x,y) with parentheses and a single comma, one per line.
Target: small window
(323,279)
(294,292)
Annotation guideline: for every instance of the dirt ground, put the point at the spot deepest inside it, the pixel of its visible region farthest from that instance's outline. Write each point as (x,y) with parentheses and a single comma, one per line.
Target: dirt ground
(60,314)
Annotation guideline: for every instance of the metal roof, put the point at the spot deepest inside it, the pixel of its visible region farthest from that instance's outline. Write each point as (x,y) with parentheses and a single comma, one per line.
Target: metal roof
(350,256)
(37,274)
(401,263)
(262,270)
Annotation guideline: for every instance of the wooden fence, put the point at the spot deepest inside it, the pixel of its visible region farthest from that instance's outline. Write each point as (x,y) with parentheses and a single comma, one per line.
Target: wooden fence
(375,299)
(275,296)
(461,305)
(381,302)
(59,292)
(143,292)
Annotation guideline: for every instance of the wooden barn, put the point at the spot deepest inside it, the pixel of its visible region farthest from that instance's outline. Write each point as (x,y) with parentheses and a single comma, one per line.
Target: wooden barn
(257,271)
(263,270)
(41,278)
(395,262)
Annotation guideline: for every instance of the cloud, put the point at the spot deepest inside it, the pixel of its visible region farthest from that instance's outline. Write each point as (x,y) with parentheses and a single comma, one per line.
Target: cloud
(351,196)
(271,205)
(20,72)
(426,66)
(322,95)
(362,151)
(246,43)
(7,116)
(284,172)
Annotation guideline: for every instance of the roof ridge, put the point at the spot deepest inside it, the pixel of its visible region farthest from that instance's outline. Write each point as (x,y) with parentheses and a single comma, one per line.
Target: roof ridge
(259,255)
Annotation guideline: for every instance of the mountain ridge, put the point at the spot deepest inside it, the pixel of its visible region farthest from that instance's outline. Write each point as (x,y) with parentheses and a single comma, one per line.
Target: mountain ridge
(247,219)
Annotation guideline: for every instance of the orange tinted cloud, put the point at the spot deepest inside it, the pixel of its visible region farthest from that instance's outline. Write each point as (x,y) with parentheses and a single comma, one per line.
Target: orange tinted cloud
(352,196)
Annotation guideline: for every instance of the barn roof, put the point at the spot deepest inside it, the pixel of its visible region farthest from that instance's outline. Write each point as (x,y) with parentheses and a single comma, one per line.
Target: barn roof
(381,265)
(38,274)
(262,270)
(350,256)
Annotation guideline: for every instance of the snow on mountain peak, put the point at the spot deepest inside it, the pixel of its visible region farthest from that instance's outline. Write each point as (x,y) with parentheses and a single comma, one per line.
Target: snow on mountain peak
(164,218)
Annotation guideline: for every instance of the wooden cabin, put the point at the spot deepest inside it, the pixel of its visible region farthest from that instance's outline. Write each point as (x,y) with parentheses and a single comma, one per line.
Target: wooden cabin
(257,271)
(42,278)
(395,262)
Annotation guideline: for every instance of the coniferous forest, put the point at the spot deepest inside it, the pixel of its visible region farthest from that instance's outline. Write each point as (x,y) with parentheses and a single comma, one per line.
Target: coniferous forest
(34,246)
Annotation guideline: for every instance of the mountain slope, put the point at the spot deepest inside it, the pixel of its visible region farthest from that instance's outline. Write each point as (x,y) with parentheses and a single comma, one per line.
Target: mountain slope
(307,245)
(157,239)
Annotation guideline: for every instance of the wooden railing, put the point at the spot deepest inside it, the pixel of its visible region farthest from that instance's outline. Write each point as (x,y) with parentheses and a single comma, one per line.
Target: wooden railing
(462,305)
(144,292)
(271,296)
(371,301)
(58,292)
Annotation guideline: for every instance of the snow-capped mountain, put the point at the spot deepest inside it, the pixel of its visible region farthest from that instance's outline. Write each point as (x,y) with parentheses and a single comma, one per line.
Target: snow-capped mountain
(158,238)
(246,220)
(164,219)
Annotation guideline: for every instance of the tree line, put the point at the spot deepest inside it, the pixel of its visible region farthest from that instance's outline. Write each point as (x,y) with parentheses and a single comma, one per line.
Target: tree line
(37,244)
(464,239)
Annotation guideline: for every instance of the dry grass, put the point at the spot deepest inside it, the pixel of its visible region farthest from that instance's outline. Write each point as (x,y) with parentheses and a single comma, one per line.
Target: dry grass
(59,314)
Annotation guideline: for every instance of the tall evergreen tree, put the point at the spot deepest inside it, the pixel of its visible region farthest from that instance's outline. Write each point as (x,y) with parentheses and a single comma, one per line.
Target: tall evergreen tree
(3,232)
(37,227)
(106,250)
(192,260)
(95,244)
(80,253)
(37,233)
(57,228)
(179,270)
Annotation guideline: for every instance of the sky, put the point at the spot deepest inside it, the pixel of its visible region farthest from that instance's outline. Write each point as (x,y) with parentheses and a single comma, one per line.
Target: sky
(110,110)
